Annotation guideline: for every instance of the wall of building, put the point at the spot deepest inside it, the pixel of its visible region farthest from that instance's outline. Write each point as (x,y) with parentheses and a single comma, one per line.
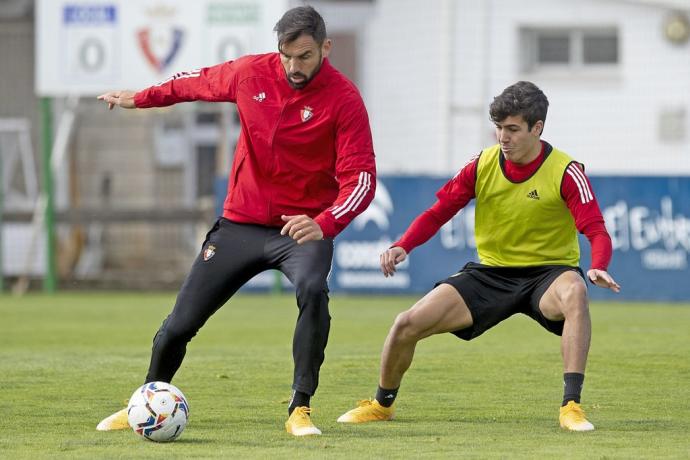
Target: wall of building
(611,122)
(401,79)
(431,70)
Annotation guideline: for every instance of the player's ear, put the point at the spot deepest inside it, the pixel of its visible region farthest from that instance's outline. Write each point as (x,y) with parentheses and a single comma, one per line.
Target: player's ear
(326,47)
(538,127)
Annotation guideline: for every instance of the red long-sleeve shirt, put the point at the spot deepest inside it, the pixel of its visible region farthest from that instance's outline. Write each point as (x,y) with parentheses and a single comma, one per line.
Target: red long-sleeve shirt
(456,193)
(306,151)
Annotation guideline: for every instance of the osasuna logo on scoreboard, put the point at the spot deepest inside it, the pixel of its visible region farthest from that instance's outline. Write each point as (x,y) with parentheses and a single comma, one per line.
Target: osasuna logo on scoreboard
(161,41)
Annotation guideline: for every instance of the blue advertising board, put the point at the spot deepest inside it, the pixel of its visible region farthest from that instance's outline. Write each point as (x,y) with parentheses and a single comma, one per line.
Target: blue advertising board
(648,219)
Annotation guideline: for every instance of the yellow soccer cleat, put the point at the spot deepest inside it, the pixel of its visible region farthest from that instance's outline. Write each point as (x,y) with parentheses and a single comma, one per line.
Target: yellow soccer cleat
(117,421)
(572,418)
(367,410)
(299,423)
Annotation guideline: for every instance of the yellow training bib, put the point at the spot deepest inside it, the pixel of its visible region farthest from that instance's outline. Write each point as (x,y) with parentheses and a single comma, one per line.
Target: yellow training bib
(527,223)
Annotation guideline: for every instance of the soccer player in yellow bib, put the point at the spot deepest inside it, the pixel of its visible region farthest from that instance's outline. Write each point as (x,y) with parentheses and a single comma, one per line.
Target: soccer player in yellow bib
(531,200)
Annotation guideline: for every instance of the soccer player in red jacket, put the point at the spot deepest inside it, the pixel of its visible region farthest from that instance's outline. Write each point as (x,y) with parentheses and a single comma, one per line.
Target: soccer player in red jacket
(303,169)
(531,200)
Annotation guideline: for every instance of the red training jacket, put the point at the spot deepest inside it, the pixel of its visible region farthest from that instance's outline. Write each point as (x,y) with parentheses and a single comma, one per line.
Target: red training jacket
(305,151)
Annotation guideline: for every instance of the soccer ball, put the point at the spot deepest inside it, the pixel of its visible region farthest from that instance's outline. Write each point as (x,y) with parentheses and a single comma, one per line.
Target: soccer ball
(158,411)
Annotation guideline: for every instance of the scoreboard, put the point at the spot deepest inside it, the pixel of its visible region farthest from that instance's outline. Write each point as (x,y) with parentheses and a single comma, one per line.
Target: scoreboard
(89,47)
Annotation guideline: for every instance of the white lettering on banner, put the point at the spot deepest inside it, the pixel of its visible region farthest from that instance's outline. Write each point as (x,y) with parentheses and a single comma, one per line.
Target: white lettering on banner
(660,259)
(358,261)
(458,233)
(640,228)
(373,279)
(355,254)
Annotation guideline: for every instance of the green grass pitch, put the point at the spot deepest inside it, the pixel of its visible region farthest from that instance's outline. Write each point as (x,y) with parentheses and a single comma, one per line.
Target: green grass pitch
(68,360)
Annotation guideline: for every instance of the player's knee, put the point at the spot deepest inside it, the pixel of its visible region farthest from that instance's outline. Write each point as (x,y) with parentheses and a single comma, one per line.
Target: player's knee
(310,288)
(574,297)
(173,330)
(404,328)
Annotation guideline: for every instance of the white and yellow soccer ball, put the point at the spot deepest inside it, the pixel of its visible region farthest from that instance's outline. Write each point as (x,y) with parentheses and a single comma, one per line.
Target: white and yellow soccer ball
(158,411)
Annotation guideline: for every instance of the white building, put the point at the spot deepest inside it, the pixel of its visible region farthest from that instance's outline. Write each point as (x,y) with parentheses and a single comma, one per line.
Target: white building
(617,74)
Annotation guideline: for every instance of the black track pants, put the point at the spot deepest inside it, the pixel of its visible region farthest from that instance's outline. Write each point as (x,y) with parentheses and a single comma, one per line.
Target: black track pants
(240,251)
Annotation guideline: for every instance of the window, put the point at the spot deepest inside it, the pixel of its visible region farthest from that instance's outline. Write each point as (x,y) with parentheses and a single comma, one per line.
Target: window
(599,49)
(569,49)
(553,49)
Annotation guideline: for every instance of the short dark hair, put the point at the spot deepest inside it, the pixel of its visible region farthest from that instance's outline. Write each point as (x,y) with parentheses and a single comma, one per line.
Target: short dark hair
(523,98)
(302,20)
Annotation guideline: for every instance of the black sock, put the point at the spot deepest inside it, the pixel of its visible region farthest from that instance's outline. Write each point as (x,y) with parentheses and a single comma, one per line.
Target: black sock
(298,399)
(572,387)
(386,397)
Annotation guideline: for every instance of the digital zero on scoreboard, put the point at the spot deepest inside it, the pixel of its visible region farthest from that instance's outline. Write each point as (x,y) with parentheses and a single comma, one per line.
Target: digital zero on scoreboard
(89,35)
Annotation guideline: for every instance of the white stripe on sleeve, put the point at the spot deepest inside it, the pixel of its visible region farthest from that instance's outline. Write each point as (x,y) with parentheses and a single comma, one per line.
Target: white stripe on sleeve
(354,192)
(180,75)
(579,187)
(585,196)
(356,197)
(363,194)
(585,184)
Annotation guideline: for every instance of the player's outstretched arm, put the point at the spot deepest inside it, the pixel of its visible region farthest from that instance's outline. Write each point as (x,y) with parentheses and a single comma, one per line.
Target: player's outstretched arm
(602,279)
(124,99)
(390,258)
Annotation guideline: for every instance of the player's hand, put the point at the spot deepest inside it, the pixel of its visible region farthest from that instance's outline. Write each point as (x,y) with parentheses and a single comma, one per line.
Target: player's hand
(602,279)
(124,99)
(390,258)
(301,228)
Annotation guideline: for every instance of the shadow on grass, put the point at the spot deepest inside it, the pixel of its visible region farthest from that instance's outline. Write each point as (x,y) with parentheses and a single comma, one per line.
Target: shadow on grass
(191,441)
(641,425)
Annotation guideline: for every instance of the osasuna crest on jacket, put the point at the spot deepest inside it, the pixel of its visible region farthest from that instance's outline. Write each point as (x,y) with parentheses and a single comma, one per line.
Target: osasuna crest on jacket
(306,113)
(300,151)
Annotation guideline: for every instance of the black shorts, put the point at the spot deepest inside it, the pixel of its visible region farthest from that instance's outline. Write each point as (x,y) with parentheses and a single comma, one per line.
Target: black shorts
(496,293)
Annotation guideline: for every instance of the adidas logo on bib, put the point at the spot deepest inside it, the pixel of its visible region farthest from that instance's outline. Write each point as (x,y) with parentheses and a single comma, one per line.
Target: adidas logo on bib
(533,194)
